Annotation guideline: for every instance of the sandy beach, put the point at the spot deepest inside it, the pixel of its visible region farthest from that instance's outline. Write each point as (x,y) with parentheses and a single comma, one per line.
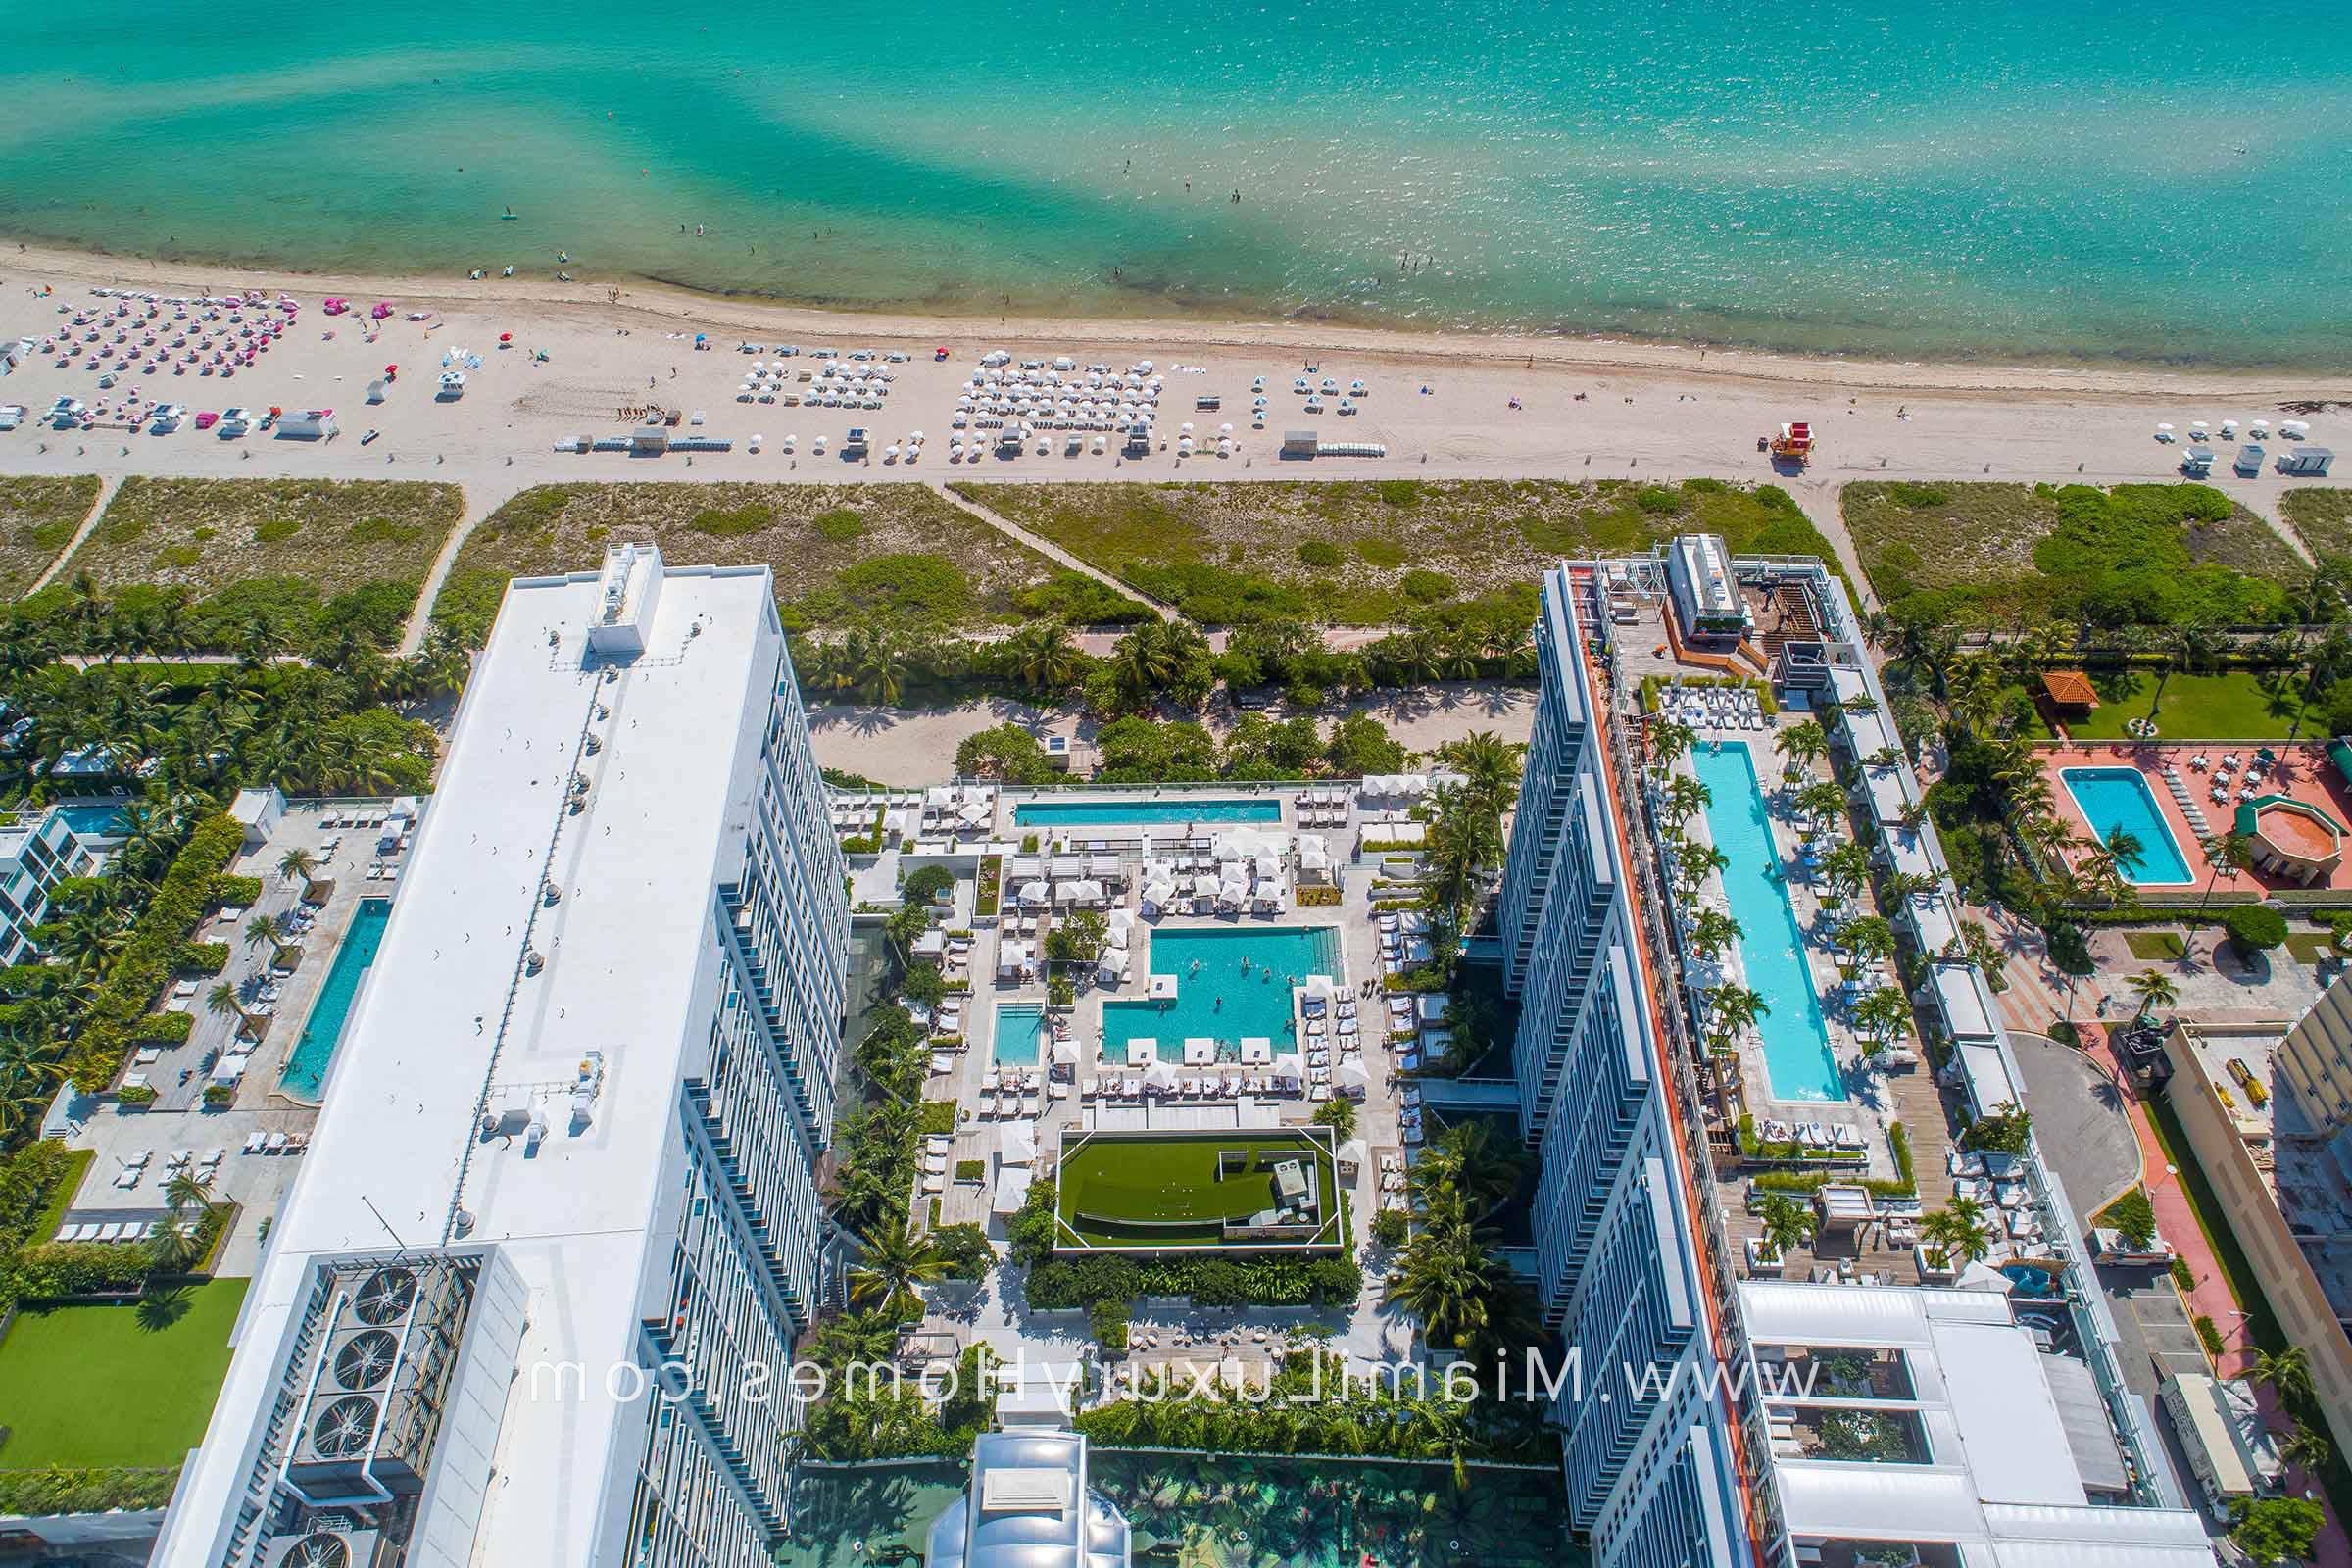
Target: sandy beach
(1585,408)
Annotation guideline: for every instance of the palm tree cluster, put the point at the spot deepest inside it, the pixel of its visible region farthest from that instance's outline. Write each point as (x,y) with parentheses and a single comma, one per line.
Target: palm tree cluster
(1451,1277)
(1463,846)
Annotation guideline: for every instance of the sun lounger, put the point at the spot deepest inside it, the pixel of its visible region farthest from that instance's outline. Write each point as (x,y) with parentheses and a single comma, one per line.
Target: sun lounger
(274,1144)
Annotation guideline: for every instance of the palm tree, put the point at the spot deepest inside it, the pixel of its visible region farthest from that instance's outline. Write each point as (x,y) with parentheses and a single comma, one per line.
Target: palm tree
(1694,861)
(2232,851)
(1957,1230)
(267,928)
(1885,1017)
(890,1267)
(1490,765)
(1468,1162)
(1788,1223)
(1823,801)
(2287,1371)
(2307,1450)
(2125,848)
(2155,989)
(1464,838)
(1867,938)
(1670,740)
(185,1191)
(1804,744)
(1042,656)
(1712,931)
(1734,1008)
(1685,797)
(297,864)
(221,1003)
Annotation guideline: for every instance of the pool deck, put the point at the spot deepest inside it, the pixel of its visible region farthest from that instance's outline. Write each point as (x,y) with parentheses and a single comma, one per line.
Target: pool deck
(2304,773)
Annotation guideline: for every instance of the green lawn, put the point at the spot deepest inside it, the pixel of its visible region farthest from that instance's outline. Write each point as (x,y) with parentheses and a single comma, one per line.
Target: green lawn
(2310,947)
(2236,704)
(2156,947)
(1166,1181)
(94,1386)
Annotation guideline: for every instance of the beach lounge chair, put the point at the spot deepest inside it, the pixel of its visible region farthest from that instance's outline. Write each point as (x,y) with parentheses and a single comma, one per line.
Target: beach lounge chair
(274,1144)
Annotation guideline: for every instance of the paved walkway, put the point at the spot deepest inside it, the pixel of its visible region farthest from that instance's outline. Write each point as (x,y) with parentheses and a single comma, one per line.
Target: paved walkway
(107,487)
(1047,549)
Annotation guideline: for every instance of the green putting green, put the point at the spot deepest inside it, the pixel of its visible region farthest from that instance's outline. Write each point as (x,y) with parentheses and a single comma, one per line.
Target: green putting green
(1165,1190)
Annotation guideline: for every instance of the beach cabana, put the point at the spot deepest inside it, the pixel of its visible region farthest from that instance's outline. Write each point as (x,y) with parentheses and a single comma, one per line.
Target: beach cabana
(1017,1144)
(1199,1053)
(1013,1189)
(2070,689)
(1256,1050)
(1142,1052)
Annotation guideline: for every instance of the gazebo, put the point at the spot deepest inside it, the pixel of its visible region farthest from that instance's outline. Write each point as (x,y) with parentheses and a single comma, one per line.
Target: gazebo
(2291,838)
(2070,688)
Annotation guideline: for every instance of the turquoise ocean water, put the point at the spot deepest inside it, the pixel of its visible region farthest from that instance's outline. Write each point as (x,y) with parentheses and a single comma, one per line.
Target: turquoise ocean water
(2002,180)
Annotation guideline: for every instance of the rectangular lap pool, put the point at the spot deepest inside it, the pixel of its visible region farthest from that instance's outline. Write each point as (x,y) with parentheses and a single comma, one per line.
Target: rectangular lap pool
(1230,985)
(1796,1042)
(305,1068)
(1093,814)
(1020,1029)
(2118,798)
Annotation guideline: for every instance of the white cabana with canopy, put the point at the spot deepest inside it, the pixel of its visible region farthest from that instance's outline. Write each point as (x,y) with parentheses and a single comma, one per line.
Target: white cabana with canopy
(1353,1155)
(1200,1053)
(1349,1078)
(1256,1050)
(1012,1190)
(1142,1052)
(1019,1144)
(1065,1050)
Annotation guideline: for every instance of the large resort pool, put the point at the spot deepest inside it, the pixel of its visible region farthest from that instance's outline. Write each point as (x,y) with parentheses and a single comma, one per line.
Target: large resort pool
(2118,798)
(305,1076)
(1097,813)
(1798,1057)
(1230,985)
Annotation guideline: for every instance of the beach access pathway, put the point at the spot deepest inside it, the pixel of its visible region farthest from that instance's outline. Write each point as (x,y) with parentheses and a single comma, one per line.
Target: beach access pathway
(1048,548)
(106,486)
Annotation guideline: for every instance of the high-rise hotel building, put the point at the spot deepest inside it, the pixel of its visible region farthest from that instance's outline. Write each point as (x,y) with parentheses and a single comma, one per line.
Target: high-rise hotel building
(572,1130)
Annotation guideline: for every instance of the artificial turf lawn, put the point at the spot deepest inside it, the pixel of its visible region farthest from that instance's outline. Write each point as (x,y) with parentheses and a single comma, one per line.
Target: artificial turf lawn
(92,1385)
(1174,1178)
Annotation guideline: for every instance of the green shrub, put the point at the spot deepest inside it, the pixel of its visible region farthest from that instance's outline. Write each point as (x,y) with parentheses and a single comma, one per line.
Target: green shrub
(2132,1217)
(145,962)
(54,1491)
(964,1249)
(1108,1321)
(1389,1227)
(1918,497)
(2208,1336)
(972,1170)
(1425,586)
(1318,553)
(161,1029)
(732,522)
(1398,492)
(938,1116)
(2182,1275)
(920,585)
(201,957)
(240,892)
(839,526)
(1658,500)
(2254,927)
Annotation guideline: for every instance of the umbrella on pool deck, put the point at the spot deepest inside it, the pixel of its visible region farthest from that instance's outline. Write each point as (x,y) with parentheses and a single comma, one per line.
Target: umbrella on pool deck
(1019,1144)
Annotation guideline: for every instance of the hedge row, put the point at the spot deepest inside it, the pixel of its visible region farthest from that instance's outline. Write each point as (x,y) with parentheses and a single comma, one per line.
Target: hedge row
(239,892)
(161,1028)
(201,957)
(39,1494)
(1208,1281)
(155,942)
(77,1268)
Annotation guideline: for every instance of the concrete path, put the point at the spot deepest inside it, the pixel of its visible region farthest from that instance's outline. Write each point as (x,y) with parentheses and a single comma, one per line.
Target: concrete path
(1046,548)
(481,501)
(106,486)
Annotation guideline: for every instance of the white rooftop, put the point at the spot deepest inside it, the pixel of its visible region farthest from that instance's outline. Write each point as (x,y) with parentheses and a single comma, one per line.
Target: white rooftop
(2001,1471)
(625,952)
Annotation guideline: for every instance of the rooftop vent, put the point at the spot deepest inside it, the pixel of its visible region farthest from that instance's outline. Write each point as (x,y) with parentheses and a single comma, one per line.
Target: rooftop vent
(345,1428)
(366,1361)
(385,1296)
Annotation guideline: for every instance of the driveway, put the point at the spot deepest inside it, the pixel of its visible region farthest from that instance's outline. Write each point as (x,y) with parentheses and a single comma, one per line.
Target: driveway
(2080,1120)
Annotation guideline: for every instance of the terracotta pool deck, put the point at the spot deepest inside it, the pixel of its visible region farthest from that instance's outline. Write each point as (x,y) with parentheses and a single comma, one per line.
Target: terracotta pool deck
(2303,772)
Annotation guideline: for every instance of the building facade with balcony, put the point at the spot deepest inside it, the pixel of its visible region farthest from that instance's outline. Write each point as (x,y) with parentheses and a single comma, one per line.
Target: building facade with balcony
(1650,1461)
(579,1114)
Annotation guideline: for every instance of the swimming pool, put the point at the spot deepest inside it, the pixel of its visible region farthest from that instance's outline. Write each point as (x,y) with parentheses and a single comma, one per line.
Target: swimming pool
(95,820)
(2112,798)
(1020,1028)
(1216,996)
(1797,1058)
(1084,813)
(322,1030)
